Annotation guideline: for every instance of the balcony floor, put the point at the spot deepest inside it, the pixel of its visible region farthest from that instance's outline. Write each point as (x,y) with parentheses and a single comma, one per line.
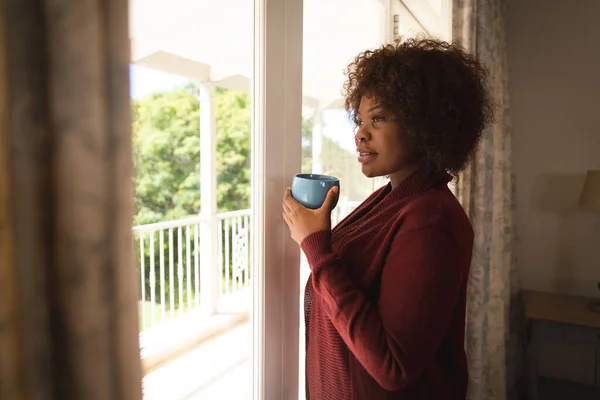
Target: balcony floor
(220,368)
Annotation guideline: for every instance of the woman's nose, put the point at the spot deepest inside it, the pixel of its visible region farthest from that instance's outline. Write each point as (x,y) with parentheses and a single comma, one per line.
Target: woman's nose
(362,135)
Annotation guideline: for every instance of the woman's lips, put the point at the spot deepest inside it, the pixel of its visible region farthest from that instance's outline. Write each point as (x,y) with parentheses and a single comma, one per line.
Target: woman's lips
(365,157)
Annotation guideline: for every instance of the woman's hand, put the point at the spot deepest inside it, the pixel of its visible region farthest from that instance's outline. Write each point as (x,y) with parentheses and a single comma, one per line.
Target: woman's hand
(302,221)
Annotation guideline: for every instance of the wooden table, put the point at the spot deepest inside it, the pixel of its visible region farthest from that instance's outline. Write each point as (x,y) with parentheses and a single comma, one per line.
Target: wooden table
(563,308)
(555,307)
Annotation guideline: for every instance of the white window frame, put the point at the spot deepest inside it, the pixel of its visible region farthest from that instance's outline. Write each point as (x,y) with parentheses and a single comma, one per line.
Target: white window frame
(276,157)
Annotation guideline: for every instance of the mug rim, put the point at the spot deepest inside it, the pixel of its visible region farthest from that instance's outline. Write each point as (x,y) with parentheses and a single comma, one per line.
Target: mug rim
(317,177)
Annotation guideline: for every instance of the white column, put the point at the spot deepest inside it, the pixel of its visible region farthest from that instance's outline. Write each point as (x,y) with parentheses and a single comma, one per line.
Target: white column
(209,274)
(317,141)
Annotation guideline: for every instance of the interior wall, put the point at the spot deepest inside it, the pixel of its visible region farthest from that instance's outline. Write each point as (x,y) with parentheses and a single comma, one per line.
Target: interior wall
(554,65)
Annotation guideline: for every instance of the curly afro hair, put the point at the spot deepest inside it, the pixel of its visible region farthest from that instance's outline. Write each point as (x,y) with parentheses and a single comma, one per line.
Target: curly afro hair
(437,92)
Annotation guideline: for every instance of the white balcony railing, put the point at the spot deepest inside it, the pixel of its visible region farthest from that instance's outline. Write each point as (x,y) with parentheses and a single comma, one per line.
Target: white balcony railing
(169,264)
(170,269)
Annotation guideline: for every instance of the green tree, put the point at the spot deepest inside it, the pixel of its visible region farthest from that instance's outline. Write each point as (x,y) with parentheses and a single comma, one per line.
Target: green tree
(233,150)
(166,149)
(166,154)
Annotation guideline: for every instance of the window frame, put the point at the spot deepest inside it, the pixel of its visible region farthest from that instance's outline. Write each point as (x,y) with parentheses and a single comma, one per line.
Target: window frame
(276,157)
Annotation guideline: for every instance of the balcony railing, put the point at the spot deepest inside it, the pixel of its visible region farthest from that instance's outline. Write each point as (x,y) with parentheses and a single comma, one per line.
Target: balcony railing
(170,267)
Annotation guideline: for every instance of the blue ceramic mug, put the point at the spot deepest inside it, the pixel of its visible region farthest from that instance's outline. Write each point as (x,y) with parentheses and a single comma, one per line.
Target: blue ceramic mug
(310,190)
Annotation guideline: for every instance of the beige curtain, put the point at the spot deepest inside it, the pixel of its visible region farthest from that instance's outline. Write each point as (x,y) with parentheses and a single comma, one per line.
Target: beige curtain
(68,294)
(495,326)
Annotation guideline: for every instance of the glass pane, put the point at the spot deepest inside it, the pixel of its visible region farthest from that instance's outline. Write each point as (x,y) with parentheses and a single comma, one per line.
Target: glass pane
(191,73)
(437,6)
(330,43)
(412,17)
(408,25)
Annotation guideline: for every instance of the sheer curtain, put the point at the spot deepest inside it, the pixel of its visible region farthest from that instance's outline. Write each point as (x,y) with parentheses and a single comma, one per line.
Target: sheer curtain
(495,326)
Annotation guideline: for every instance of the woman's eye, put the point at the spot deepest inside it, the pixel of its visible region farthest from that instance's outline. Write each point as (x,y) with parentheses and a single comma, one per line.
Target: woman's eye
(377,119)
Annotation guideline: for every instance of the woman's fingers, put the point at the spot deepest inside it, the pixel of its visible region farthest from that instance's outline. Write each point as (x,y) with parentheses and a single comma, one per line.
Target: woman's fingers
(286,219)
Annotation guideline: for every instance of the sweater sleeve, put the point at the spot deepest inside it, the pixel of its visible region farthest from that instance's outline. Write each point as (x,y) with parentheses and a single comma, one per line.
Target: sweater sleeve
(397,337)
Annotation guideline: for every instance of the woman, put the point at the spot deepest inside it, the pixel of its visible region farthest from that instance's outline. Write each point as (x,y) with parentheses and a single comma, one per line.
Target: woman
(385,302)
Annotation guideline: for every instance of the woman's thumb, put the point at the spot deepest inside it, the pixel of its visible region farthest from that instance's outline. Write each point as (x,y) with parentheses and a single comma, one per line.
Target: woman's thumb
(331,197)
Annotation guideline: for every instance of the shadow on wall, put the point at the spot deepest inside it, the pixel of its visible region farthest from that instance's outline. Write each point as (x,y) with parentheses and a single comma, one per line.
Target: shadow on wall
(577,239)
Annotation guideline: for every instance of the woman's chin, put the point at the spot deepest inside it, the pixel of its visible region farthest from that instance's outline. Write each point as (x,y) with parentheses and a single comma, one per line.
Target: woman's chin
(369,172)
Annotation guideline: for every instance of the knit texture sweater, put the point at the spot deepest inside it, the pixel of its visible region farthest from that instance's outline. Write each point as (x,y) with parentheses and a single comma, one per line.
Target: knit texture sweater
(385,301)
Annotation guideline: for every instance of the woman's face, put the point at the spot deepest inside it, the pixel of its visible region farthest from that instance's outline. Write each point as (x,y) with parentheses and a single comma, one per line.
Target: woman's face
(383,148)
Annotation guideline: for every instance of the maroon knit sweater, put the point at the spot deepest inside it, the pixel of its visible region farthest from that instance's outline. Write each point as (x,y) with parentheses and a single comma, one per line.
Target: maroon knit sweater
(385,303)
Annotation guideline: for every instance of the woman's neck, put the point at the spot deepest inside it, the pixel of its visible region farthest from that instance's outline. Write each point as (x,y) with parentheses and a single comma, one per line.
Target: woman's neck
(399,176)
